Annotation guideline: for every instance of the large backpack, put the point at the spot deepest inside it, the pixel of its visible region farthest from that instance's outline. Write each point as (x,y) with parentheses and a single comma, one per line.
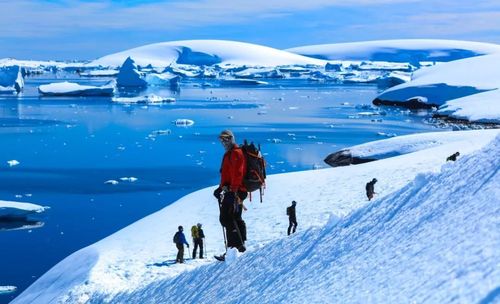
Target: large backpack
(255,176)
(176,237)
(194,232)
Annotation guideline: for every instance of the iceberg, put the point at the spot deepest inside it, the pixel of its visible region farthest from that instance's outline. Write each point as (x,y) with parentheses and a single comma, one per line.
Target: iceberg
(11,79)
(480,107)
(74,89)
(7,289)
(164,79)
(183,122)
(129,76)
(18,210)
(241,82)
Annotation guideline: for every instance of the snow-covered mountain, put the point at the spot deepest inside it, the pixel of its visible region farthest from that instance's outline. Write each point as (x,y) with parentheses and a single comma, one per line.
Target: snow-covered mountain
(206,52)
(433,239)
(404,50)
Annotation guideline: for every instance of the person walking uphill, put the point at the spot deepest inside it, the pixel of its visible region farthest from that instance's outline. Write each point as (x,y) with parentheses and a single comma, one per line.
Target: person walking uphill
(180,240)
(370,189)
(231,192)
(292,218)
(198,236)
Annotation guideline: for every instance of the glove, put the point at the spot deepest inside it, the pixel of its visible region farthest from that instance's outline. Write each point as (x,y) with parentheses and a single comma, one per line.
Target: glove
(217,193)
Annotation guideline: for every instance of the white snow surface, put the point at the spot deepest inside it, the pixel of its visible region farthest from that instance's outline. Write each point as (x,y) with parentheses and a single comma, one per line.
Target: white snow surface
(453,80)
(206,52)
(74,89)
(480,107)
(422,141)
(404,50)
(10,209)
(434,240)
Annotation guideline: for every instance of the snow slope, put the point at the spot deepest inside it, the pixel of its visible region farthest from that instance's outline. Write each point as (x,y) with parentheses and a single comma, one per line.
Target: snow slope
(416,142)
(9,210)
(434,241)
(206,52)
(132,260)
(405,50)
(480,107)
(452,80)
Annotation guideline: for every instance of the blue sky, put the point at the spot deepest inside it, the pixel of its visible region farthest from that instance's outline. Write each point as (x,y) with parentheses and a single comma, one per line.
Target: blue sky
(76,29)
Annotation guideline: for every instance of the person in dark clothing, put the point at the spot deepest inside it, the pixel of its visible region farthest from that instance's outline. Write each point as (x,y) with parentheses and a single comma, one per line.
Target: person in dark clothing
(453,157)
(292,218)
(180,240)
(231,192)
(198,237)
(370,189)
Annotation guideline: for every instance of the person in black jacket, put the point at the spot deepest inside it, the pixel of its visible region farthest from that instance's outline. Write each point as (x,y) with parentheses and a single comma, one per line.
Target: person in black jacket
(370,189)
(453,157)
(292,218)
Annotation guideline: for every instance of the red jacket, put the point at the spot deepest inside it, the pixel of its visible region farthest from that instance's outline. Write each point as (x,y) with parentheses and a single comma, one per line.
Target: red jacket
(233,169)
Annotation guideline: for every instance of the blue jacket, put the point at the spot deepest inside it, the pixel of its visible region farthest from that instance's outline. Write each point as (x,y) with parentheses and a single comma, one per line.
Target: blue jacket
(182,238)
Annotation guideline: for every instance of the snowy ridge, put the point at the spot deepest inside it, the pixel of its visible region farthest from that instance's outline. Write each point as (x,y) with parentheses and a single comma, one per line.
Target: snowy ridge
(453,80)
(404,50)
(436,240)
(206,52)
(124,262)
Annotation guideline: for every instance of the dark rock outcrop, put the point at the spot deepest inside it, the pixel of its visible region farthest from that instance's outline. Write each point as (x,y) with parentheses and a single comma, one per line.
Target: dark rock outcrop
(344,158)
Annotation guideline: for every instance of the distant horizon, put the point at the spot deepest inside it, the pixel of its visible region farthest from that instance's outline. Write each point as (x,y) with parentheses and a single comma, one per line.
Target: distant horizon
(86,30)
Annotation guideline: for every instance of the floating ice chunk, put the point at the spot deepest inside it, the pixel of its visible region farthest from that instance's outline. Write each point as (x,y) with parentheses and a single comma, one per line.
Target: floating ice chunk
(275,140)
(14,210)
(7,289)
(164,79)
(111,182)
(387,134)
(11,79)
(146,99)
(161,132)
(129,179)
(129,76)
(13,163)
(100,73)
(183,122)
(74,89)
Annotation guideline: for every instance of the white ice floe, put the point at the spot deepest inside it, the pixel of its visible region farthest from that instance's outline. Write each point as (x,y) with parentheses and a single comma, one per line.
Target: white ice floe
(129,76)
(111,182)
(428,219)
(206,52)
(100,73)
(404,50)
(74,89)
(164,79)
(13,163)
(129,179)
(7,289)
(147,99)
(15,210)
(11,79)
(183,122)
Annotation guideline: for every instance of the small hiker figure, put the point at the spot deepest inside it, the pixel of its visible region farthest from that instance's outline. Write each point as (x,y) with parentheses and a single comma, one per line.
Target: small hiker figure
(180,240)
(231,193)
(370,189)
(198,236)
(453,157)
(292,219)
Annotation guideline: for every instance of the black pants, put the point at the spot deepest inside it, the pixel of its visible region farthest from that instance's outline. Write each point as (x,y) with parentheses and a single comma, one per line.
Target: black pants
(198,242)
(292,224)
(230,218)
(180,253)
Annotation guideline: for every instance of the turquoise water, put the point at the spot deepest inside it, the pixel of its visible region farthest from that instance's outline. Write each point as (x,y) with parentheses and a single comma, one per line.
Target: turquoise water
(69,147)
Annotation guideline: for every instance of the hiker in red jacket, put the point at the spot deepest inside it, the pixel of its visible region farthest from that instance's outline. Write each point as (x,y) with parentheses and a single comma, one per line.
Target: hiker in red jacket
(231,192)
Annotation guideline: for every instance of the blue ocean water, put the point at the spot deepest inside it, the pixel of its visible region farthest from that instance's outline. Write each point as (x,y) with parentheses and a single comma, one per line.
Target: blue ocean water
(69,147)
